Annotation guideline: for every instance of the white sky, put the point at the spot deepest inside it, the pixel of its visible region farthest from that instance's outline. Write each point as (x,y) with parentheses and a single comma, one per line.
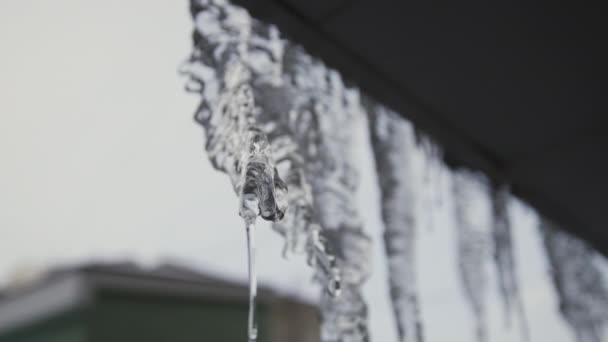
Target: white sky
(100,160)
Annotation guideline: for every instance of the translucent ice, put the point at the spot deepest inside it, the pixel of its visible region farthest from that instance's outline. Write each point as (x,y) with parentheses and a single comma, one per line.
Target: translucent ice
(258,109)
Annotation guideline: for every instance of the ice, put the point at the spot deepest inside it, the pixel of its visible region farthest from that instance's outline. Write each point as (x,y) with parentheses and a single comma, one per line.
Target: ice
(504,259)
(279,123)
(236,146)
(394,145)
(472,238)
(322,112)
(580,284)
(258,110)
(252,329)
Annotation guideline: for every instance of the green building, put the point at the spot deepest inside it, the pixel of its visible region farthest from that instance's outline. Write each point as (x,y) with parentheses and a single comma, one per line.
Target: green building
(123,303)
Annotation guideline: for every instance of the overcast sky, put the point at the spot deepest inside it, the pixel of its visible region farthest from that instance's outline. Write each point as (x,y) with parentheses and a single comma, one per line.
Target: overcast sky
(100,160)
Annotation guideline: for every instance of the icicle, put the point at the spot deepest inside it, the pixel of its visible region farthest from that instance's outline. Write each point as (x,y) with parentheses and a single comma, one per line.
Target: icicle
(472,236)
(228,43)
(504,260)
(581,288)
(236,146)
(321,112)
(394,146)
(272,112)
(433,167)
(301,233)
(263,193)
(252,327)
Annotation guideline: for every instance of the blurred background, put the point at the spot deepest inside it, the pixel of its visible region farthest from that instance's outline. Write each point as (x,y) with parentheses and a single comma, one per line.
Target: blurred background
(101,164)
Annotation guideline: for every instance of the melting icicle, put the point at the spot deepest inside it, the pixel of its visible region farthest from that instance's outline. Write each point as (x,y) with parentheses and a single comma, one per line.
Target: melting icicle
(322,112)
(261,190)
(252,328)
(394,146)
(232,51)
(504,259)
(581,288)
(472,235)
(259,179)
(235,144)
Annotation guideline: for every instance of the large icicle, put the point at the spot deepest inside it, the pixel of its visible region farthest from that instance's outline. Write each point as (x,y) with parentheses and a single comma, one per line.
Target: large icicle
(394,146)
(580,285)
(305,112)
(504,259)
(236,146)
(320,118)
(472,238)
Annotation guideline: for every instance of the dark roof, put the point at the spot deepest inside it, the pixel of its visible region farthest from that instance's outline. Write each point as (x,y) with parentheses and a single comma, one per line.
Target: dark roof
(515,89)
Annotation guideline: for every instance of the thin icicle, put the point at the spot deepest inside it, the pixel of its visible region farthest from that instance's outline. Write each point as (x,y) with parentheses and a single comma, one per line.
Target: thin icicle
(504,260)
(580,285)
(252,326)
(472,238)
(394,146)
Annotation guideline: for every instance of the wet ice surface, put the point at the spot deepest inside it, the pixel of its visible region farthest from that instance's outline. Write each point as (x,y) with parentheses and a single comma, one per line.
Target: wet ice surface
(279,123)
(284,120)
(252,328)
(239,148)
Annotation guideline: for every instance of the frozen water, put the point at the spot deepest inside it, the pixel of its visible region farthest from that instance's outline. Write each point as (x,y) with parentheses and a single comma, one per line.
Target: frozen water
(579,281)
(278,122)
(472,238)
(256,110)
(252,329)
(320,118)
(504,259)
(394,145)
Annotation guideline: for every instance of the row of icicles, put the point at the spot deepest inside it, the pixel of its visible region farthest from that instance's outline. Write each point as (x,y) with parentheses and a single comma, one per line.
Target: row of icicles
(279,123)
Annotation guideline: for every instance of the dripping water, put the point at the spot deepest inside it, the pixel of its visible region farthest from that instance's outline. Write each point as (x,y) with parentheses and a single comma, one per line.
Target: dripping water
(472,238)
(252,329)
